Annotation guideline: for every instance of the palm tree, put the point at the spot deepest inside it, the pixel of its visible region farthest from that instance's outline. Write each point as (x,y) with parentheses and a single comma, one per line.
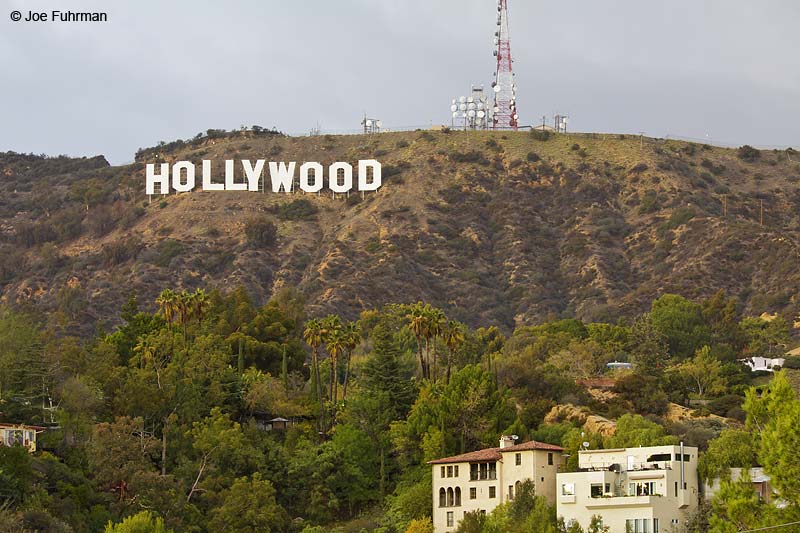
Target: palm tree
(331,334)
(167,304)
(335,345)
(145,351)
(184,305)
(352,336)
(199,305)
(312,334)
(148,357)
(433,327)
(454,337)
(416,325)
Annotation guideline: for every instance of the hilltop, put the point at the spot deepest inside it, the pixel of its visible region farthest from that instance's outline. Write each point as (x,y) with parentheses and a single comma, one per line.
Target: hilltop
(503,228)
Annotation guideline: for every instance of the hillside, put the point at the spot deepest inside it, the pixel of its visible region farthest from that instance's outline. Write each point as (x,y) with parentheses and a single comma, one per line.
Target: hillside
(493,227)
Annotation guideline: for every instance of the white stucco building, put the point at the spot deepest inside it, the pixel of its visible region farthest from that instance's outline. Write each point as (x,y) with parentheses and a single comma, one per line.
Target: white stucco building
(641,490)
(764,364)
(761,485)
(483,479)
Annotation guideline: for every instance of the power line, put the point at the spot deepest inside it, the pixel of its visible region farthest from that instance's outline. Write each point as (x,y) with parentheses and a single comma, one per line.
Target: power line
(768,527)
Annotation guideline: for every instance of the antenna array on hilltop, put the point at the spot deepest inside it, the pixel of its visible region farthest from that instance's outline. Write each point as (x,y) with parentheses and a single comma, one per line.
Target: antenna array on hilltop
(473,110)
(371,125)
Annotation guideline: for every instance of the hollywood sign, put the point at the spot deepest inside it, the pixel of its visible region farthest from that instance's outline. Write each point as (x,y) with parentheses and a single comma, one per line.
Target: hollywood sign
(182,176)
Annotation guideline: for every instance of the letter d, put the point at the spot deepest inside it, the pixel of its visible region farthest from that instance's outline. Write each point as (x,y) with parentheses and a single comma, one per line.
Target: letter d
(363,166)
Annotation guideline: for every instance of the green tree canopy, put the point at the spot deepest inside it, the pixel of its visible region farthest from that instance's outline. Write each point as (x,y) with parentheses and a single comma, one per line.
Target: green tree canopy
(704,372)
(142,522)
(635,430)
(681,322)
(249,506)
(733,448)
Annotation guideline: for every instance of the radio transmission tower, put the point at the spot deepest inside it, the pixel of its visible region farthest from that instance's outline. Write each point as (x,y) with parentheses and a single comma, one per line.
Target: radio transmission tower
(505,89)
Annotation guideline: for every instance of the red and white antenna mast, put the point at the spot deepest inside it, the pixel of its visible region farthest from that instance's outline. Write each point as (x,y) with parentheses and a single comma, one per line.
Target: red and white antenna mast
(505,89)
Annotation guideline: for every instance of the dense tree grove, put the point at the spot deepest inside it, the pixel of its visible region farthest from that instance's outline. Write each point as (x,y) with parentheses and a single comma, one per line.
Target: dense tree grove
(166,423)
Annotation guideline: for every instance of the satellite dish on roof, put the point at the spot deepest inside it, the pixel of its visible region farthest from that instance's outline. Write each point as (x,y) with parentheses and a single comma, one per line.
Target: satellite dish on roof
(497,88)
(369,122)
(455,114)
(463,107)
(481,114)
(471,113)
(462,99)
(586,444)
(453,107)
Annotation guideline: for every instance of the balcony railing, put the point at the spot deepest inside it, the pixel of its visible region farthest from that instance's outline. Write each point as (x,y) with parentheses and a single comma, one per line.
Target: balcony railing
(622,501)
(622,495)
(635,467)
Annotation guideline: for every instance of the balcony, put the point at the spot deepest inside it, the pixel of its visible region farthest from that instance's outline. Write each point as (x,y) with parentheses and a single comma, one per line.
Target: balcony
(483,471)
(634,467)
(622,501)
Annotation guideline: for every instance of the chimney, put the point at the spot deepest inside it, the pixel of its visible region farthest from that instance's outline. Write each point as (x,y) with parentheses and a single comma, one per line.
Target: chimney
(506,441)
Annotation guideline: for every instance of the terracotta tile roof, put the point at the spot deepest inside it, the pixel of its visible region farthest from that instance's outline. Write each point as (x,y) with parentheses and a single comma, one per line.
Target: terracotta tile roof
(493,454)
(533,445)
(488,454)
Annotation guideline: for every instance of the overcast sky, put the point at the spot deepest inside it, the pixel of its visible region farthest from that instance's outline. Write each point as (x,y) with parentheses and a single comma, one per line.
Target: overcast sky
(726,69)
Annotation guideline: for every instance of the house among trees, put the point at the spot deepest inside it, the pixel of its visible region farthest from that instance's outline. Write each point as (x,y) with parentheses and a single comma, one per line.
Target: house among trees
(269,422)
(641,490)
(19,435)
(764,364)
(483,479)
(277,423)
(759,479)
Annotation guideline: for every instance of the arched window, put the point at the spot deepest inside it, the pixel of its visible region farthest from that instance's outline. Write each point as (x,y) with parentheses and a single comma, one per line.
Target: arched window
(442,498)
(458,496)
(450,497)
(517,486)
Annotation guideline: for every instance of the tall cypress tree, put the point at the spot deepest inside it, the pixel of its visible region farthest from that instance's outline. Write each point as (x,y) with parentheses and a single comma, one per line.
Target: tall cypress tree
(384,371)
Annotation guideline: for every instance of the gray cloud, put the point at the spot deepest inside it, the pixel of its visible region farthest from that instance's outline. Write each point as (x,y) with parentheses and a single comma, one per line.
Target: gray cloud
(164,70)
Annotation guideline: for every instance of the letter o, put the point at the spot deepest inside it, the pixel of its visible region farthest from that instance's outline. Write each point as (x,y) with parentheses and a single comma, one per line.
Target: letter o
(318,177)
(333,177)
(176,176)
